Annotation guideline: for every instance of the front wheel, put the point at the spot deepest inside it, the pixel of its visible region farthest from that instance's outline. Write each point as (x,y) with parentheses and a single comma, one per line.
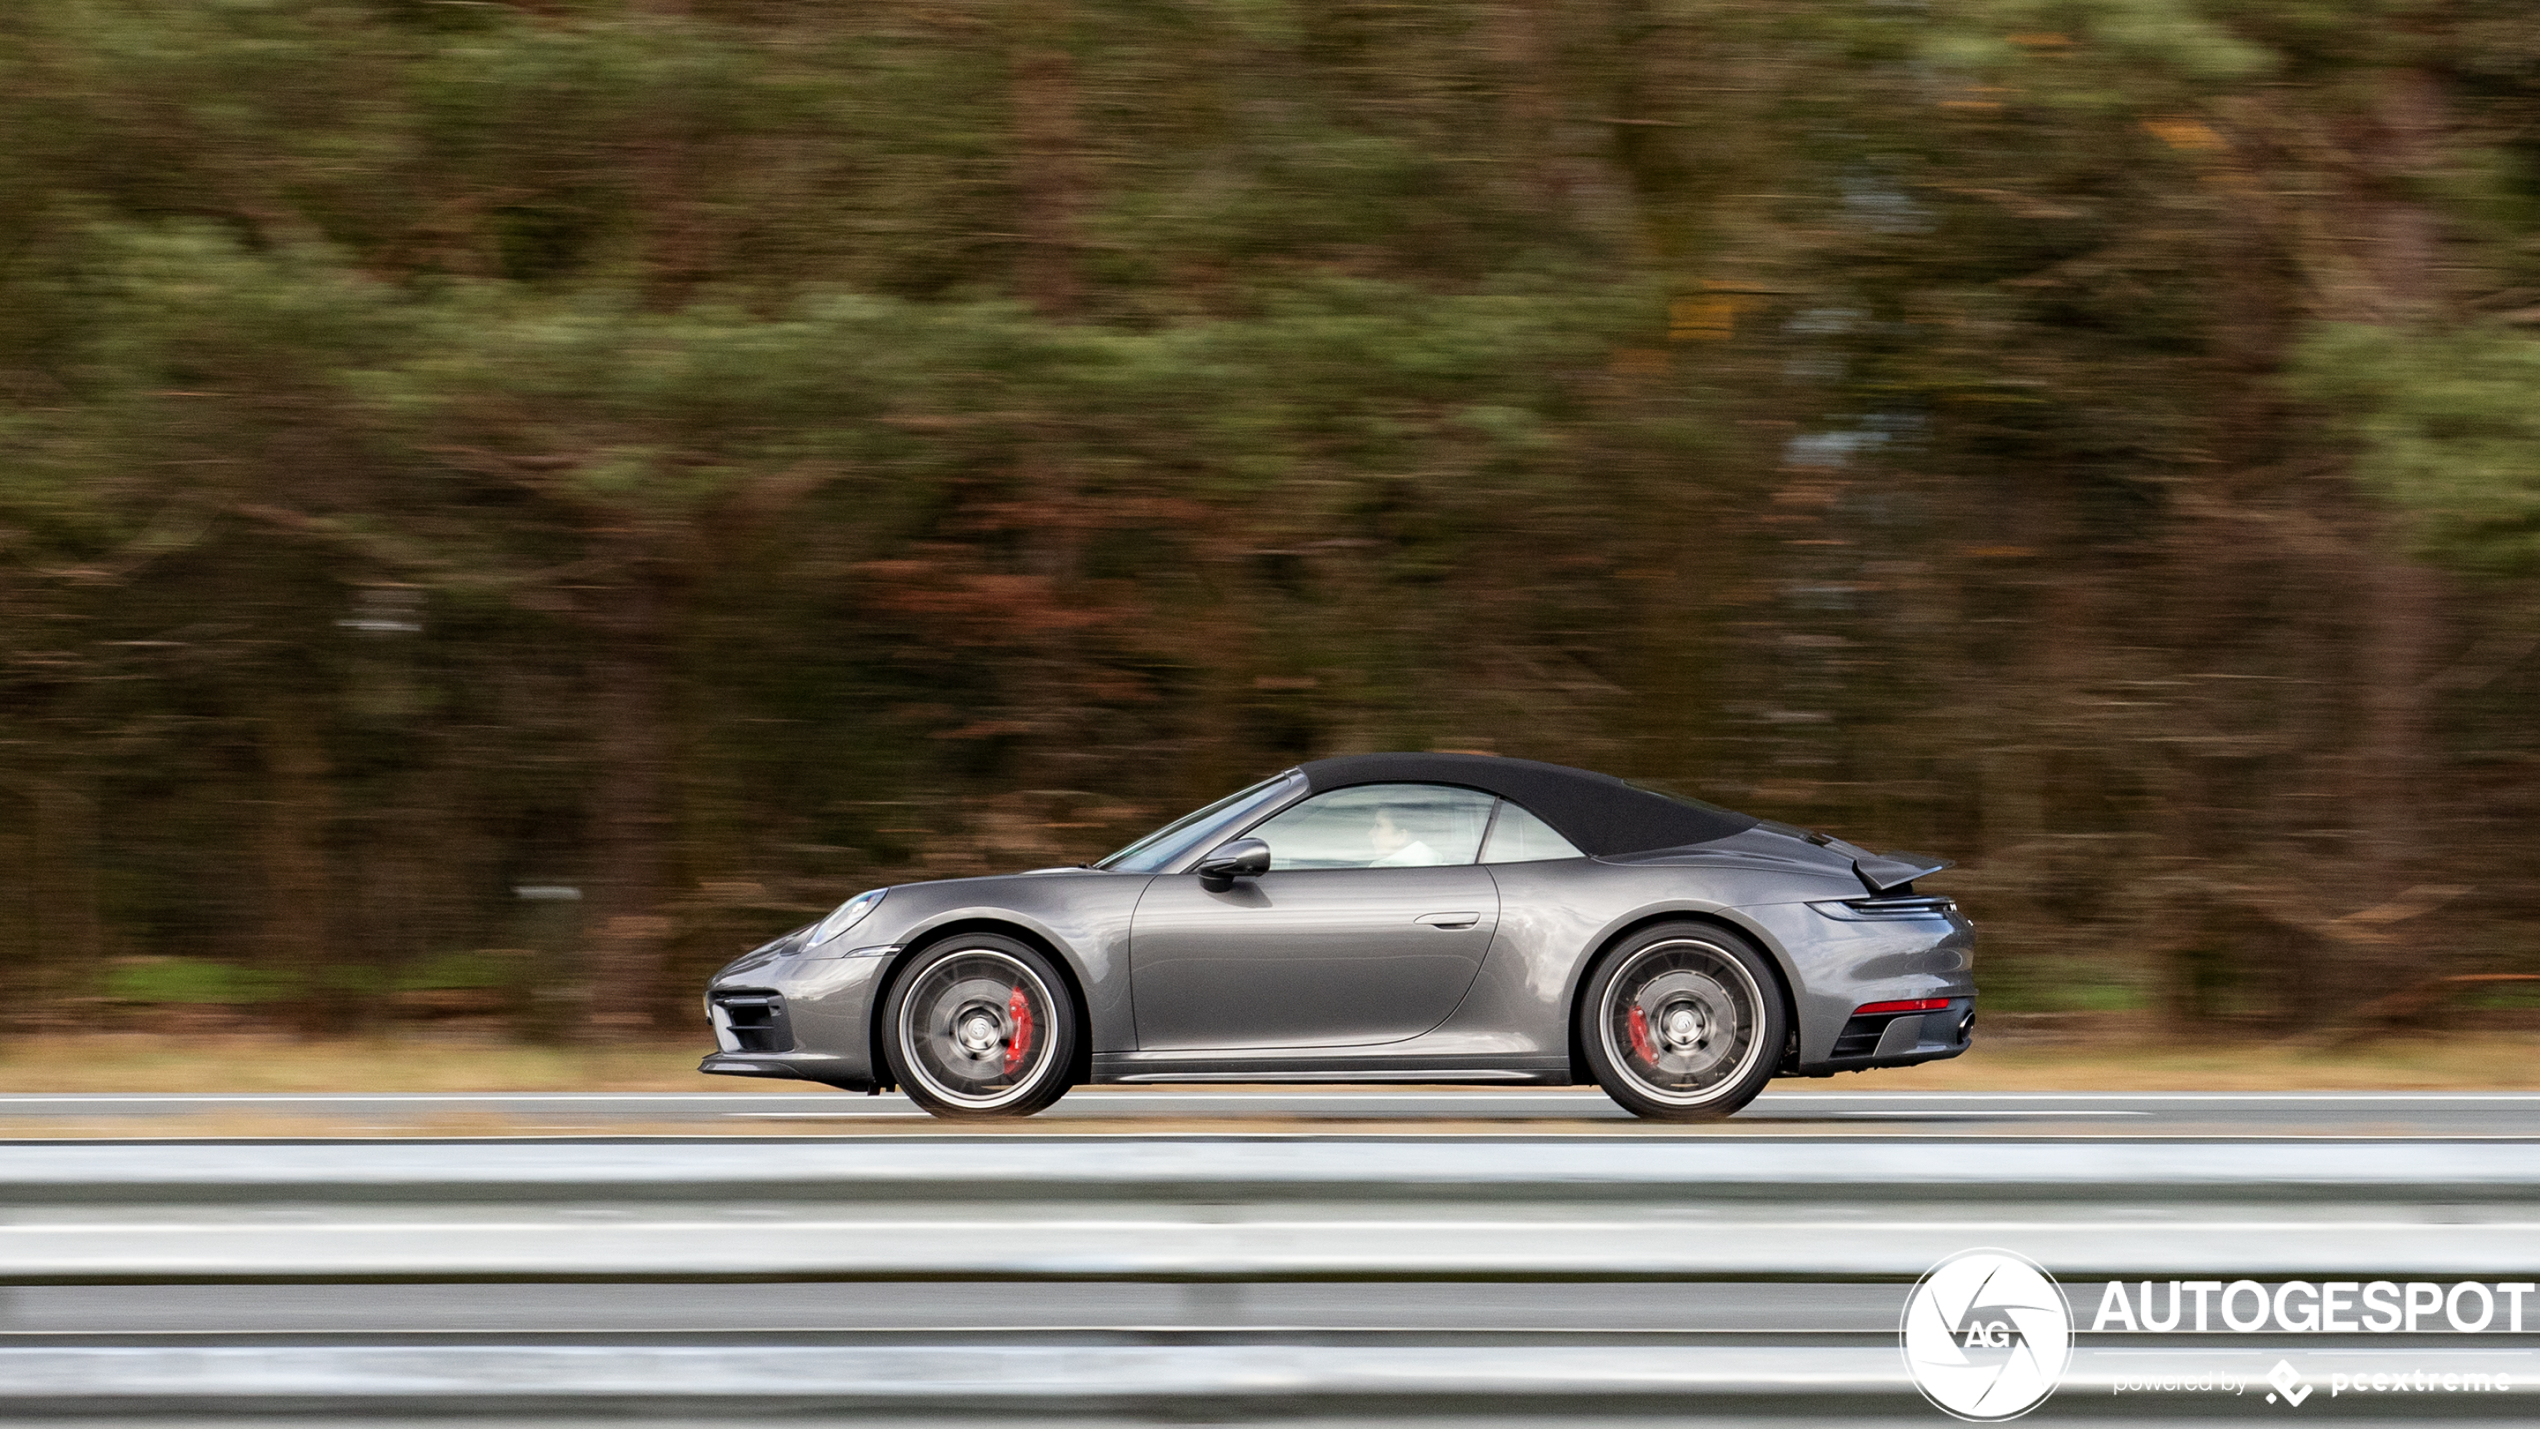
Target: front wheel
(980,1026)
(1684,1022)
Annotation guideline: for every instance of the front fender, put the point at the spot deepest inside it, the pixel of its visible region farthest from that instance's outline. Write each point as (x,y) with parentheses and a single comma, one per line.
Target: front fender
(1081,917)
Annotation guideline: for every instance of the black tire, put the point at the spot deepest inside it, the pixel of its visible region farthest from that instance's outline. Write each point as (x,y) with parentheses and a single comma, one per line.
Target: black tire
(980,1026)
(1683,1022)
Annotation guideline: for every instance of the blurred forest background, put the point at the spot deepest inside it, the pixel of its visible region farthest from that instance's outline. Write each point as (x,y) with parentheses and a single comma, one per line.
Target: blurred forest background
(505,505)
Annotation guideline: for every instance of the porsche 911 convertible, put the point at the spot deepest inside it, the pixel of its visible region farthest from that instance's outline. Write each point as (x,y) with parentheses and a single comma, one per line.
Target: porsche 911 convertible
(1379,918)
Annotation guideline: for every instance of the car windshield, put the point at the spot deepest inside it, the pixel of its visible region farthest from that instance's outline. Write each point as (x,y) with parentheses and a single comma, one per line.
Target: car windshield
(1159,850)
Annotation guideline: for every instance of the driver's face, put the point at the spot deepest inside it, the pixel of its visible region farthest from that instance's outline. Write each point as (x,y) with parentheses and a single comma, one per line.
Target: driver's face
(1387,835)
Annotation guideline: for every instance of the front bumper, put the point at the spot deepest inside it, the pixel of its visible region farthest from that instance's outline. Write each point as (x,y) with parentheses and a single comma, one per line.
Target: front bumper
(789,1066)
(824,1007)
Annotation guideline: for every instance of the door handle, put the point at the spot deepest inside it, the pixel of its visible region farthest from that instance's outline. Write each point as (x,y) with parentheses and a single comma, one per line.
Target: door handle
(1449,920)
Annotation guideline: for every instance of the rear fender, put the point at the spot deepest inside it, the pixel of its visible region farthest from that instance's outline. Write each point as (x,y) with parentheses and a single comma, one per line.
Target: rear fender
(1727,919)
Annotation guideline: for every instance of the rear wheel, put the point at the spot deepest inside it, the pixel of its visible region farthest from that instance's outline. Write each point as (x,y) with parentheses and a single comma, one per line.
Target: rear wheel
(1683,1022)
(980,1026)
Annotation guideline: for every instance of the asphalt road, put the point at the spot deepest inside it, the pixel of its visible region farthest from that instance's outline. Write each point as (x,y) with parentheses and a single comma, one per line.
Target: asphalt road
(1320,1110)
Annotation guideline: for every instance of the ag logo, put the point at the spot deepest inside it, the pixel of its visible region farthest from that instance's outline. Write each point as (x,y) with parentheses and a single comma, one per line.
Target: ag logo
(1987,1335)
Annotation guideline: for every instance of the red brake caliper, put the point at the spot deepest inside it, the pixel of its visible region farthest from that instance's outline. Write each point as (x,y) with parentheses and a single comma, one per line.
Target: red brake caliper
(1640,1036)
(1019,1046)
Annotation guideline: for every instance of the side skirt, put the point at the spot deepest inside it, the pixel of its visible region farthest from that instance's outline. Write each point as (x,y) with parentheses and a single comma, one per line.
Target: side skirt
(1128,1067)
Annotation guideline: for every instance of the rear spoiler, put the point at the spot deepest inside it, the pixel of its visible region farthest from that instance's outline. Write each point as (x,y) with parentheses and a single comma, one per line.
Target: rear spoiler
(1892,872)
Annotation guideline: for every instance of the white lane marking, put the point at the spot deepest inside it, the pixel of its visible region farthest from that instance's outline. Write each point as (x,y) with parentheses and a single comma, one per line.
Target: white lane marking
(867,1226)
(1245,1097)
(859,1113)
(2152,1095)
(2042,1114)
(970,1328)
(1322,1133)
(359,1097)
(1090,1094)
(708,1100)
(2038,1115)
(1082,1096)
(1412,1098)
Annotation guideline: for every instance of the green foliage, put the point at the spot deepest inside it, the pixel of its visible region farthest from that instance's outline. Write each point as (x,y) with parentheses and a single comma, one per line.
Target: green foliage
(448,447)
(2050,983)
(196,982)
(2448,427)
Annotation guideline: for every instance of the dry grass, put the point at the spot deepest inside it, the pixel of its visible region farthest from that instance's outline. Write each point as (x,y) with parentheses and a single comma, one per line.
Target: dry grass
(2475,1061)
(2117,1058)
(123,1062)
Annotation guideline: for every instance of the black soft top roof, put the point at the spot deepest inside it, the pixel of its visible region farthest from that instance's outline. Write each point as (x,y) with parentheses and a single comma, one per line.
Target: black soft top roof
(1599,813)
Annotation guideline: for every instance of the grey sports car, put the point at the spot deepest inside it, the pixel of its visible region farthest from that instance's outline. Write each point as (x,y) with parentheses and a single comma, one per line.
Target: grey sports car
(1379,918)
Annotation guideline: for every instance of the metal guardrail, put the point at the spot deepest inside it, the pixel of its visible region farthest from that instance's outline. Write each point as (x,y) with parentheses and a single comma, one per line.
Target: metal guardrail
(1043,1209)
(1034,1166)
(1816,1241)
(1080,1377)
(1210,1382)
(1214,1208)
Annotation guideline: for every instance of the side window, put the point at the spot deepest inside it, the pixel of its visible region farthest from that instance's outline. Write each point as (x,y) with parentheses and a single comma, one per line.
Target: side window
(1520,837)
(1379,826)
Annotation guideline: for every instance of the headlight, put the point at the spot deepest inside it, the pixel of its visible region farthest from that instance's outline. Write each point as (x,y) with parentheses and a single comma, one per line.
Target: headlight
(848,915)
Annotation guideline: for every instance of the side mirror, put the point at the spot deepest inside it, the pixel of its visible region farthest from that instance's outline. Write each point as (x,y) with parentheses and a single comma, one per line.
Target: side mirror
(1243,858)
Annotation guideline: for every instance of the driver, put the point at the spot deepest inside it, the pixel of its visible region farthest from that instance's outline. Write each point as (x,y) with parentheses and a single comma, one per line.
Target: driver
(1398,847)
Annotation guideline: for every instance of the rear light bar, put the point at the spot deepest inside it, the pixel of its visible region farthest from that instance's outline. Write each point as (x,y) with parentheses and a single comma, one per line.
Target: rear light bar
(1918,1004)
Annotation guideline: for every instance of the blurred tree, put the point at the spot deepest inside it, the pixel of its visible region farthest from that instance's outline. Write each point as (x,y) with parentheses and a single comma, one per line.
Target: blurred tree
(721,454)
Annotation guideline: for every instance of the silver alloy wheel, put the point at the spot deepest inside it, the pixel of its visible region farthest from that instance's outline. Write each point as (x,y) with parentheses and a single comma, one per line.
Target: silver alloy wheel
(976,1029)
(1683,1019)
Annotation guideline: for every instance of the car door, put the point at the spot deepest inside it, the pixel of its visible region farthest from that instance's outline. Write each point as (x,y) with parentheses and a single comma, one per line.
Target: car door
(1370,925)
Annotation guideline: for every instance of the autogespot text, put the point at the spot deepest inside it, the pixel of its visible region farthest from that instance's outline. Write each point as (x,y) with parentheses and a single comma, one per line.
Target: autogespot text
(2302,1307)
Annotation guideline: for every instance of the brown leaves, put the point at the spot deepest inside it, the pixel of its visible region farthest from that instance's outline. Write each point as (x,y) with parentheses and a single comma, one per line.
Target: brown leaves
(952,601)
